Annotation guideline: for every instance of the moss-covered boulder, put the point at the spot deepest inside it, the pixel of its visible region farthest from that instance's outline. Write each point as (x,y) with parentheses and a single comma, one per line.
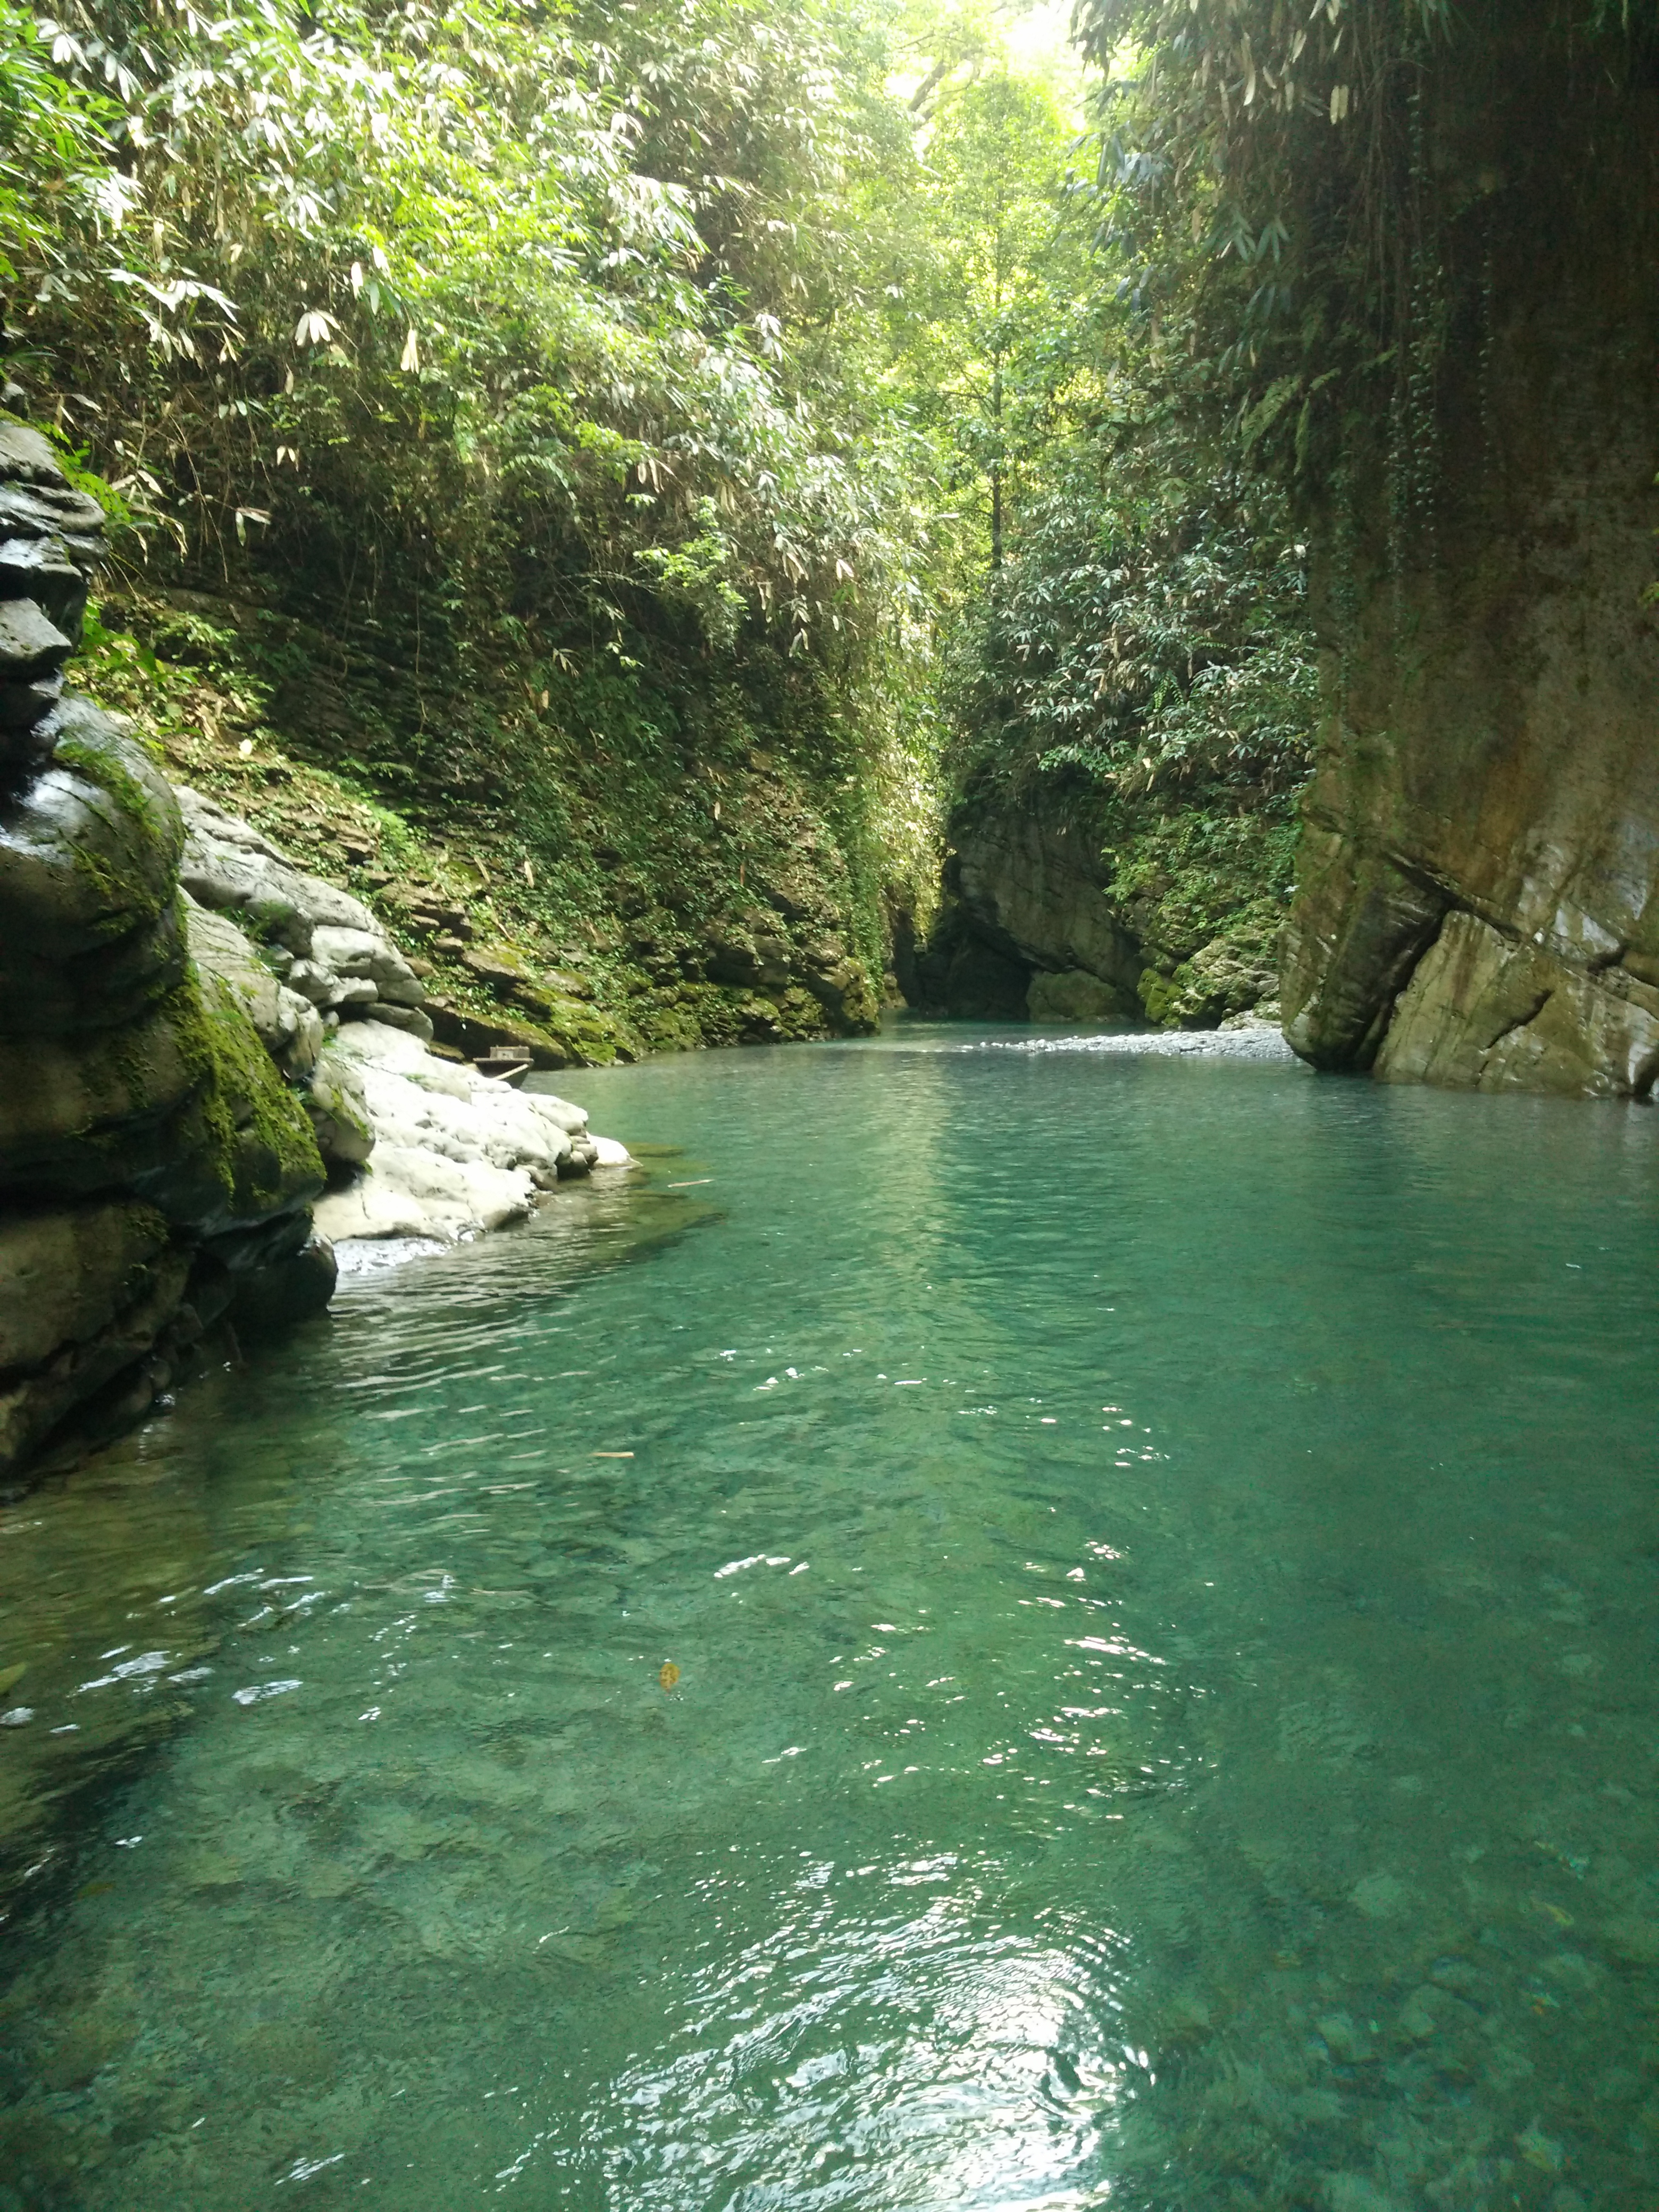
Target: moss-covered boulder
(153,1163)
(89,922)
(64,1274)
(286,1025)
(250,1152)
(94,1113)
(339,1111)
(141,1116)
(1073,995)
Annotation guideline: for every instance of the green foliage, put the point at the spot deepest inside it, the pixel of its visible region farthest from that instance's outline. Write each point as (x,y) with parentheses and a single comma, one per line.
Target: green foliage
(515,379)
(670,430)
(1282,178)
(61,195)
(473,283)
(261,1151)
(1143,642)
(993,208)
(1198,864)
(1151,635)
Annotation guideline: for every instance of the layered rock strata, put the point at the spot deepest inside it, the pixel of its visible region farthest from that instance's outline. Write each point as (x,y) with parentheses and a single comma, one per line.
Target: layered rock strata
(197,1041)
(322,952)
(153,1162)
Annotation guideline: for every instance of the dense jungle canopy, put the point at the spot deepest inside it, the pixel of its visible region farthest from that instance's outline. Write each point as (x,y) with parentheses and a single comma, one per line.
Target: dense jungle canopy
(550,420)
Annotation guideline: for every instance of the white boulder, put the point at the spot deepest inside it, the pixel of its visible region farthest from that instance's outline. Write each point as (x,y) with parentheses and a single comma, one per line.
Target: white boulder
(369,955)
(409,1191)
(454,1151)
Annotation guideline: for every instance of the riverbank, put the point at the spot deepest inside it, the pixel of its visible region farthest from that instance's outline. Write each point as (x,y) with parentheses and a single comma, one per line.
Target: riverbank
(199,1044)
(455,1151)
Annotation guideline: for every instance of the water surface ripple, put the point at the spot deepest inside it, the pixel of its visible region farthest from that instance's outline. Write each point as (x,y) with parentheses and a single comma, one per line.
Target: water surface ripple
(1159,1555)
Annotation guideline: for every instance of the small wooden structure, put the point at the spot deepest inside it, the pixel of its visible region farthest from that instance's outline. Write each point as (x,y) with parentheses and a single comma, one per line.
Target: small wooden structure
(505,1063)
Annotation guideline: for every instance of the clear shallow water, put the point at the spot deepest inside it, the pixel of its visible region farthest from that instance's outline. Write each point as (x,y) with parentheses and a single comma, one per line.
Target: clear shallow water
(1161,1559)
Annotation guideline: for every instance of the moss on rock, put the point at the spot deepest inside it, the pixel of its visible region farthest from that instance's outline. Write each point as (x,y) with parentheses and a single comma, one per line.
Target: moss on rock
(260,1150)
(128,860)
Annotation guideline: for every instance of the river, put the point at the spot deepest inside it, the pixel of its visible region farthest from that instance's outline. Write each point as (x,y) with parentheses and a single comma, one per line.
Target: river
(1007,1627)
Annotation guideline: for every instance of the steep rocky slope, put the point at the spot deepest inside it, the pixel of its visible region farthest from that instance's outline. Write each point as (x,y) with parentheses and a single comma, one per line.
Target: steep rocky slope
(153,1162)
(606,893)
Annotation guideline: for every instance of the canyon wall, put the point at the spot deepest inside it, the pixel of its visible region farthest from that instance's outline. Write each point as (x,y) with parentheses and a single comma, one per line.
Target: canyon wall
(1476,904)
(153,1163)
(1038,923)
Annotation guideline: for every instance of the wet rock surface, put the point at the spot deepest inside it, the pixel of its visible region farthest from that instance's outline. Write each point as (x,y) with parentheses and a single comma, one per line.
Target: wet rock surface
(451,1151)
(176,1084)
(48,534)
(1480,868)
(418,1144)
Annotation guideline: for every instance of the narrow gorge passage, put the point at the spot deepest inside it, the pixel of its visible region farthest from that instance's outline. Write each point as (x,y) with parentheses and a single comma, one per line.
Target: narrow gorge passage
(1158,1555)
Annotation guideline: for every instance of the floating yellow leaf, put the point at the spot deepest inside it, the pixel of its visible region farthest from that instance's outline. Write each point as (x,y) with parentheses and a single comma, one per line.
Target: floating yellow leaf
(669,1675)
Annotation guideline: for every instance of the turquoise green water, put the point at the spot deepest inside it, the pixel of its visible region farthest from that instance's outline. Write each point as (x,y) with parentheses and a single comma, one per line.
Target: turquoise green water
(1160,1558)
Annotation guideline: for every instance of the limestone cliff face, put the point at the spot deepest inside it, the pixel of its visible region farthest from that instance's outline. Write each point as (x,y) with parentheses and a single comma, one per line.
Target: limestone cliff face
(1477,903)
(152,1159)
(1033,926)
(1026,919)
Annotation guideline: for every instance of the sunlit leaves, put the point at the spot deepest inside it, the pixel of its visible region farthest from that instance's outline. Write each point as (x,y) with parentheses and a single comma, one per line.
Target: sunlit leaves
(482,200)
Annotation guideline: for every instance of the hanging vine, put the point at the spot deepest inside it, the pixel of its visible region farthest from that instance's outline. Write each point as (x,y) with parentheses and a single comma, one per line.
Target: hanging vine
(1275,171)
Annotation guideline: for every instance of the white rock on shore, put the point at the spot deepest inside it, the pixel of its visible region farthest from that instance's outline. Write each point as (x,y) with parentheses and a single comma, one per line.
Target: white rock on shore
(454,1151)
(322,945)
(435,1149)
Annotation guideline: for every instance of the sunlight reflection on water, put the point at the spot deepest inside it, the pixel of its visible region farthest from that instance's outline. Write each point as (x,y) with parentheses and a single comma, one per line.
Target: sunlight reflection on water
(911,2057)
